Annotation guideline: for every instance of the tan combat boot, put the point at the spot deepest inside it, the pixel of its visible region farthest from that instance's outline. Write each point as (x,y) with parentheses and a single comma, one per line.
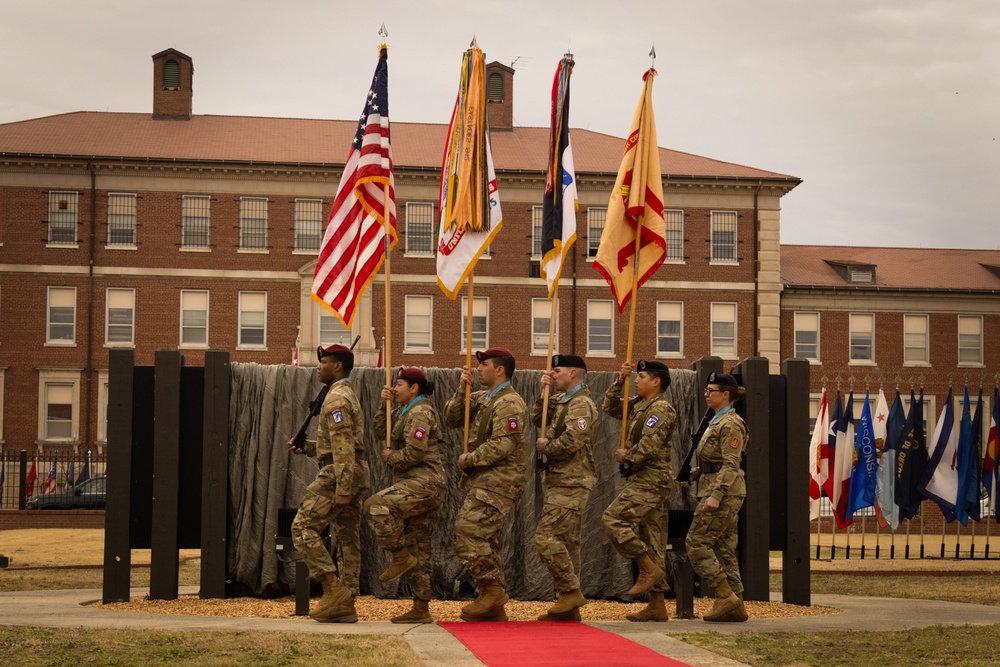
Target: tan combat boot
(725,603)
(334,592)
(573,615)
(402,562)
(418,614)
(655,610)
(567,602)
(649,574)
(489,605)
(342,613)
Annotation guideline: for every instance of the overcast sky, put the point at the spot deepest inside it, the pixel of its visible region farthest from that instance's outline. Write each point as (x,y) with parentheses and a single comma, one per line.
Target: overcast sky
(888,111)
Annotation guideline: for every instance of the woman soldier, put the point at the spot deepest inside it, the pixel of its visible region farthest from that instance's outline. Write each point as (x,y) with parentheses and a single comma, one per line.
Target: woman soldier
(402,516)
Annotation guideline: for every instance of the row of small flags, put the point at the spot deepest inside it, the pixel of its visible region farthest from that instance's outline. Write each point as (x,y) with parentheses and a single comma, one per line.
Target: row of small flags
(50,485)
(889,465)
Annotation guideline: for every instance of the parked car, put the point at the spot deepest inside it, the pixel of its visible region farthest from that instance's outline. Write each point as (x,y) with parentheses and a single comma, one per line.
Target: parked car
(90,495)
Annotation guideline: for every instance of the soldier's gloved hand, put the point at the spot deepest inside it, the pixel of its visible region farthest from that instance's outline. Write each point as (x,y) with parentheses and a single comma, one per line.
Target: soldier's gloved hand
(710,504)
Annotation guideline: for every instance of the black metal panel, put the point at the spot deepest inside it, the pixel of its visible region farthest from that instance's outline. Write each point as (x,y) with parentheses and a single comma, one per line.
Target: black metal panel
(141,448)
(755,517)
(776,423)
(795,575)
(215,476)
(166,476)
(117,552)
(190,457)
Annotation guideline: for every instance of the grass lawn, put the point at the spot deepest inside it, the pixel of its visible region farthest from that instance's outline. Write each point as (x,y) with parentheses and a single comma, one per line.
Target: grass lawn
(972,588)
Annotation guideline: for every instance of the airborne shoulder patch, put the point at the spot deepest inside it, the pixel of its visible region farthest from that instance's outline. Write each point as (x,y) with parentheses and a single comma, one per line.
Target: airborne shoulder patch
(652,421)
(735,442)
(581,424)
(512,424)
(337,415)
(419,433)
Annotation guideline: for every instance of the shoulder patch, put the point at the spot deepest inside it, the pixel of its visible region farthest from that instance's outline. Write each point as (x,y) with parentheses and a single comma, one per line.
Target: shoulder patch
(419,433)
(652,421)
(337,415)
(512,424)
(581,424)
(735,442)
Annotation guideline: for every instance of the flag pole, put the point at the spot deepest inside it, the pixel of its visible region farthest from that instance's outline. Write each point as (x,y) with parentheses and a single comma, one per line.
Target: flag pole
(468,364)
(631,327)
(386,361)
(548,366)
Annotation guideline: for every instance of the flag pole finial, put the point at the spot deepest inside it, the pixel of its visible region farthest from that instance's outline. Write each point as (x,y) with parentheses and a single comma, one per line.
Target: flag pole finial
(383,33)
(652,55)
(474,44)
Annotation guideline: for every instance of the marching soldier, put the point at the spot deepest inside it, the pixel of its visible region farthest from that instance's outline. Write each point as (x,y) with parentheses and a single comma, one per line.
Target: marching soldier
(569,477)
(636,521)
(496,472)
(335,496)
(711,540)
(402,516)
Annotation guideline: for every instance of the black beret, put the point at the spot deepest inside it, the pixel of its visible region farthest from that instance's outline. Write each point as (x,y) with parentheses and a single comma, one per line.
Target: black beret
(722,379)
(652,366)
(568,361)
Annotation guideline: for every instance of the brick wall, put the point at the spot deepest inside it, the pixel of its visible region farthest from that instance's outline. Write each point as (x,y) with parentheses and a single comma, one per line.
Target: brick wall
(21,519)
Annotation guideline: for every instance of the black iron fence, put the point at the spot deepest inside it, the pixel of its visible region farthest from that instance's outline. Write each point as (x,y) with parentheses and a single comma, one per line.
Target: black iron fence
(24,474)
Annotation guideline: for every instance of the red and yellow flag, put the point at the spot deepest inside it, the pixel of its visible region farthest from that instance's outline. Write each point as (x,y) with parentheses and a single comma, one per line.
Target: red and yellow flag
(636,206)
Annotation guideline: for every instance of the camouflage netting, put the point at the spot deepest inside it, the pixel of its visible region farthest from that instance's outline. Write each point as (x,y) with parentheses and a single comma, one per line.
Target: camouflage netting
(269,402)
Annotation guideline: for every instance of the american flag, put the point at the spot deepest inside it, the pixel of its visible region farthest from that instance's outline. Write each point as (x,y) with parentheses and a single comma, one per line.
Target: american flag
(50,481)
(353,246)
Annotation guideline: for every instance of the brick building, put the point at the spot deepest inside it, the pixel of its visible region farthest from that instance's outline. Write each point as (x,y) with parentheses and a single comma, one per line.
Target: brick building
(169,229)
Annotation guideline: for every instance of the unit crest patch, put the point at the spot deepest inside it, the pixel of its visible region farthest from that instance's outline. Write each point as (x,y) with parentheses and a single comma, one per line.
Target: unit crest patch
(512,424)
(581,424)
(652,421)
(419,433)
(735,442)
(337,415)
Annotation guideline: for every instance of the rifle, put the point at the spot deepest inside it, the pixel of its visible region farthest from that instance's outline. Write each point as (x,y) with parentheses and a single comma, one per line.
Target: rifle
(684,473)
(299,439)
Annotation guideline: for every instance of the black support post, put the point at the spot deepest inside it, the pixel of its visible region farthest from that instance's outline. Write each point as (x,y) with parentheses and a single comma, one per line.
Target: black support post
(795,575)
(166,476)
(118,514)
(215,475)
(755,517)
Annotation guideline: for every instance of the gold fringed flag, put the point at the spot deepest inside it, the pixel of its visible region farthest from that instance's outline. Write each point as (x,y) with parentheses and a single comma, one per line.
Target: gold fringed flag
(469,206)
(637,200)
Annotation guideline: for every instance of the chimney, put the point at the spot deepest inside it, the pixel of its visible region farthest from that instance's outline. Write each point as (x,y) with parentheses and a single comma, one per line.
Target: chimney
(500,96)
(173,73)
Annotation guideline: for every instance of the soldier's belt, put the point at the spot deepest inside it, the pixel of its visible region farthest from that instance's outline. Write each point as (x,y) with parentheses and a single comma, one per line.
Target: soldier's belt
(326,460)
(709,466)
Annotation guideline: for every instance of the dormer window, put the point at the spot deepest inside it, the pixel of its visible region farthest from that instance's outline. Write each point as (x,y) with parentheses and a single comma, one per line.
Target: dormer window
(861,274)
(171,75)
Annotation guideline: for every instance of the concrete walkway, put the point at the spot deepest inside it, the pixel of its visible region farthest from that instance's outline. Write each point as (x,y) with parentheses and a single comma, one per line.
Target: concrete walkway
(436,646)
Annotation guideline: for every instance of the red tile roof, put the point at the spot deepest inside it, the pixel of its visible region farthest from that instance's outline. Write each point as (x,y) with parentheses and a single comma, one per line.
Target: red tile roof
(317,142)
(895,268)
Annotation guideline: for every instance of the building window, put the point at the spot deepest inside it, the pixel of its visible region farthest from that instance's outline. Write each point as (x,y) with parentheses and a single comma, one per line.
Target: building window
(419,321)
(970,340)
(331,329)
(494,88)
(807,335)
(119,318)
(62,316)
(121,219)
(171,75)
(63,212)
(537,218)
(308,224)
(541,314)
(600,327)
(419,228)
(916,350)
(724,330)
(253,319)
(480,323)
(724,236)
(669,328)
(58,405)
(862,338)
(674,220)
(595,227)
(196,220)
(102,407)
(194,318)
(253,223)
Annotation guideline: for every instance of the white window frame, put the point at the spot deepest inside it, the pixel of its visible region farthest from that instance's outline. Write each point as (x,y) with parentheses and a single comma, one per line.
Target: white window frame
(593,213)
(195,211)
(852,317)
(660,317)
(102,407)
(912,318)
(59,342)
(958,397)
(608,304)
(240,326)
(339,335)
(930,412)
(123,205)
(537,222)
(479,303)
(673,220)
(308,217)
(58,377)
(207,312)
(60,218)
(715,349)
(796,317)
(717,220)
(107,316)
(410,306)
(960,348)
(418,209)
(253,210)
(539,308)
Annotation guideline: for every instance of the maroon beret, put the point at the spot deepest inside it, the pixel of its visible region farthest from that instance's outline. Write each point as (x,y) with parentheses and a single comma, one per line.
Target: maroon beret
(411,373)
(493,352)
(332,350)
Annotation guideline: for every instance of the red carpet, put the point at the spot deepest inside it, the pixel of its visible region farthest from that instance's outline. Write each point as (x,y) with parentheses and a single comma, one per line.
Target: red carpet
(552,644)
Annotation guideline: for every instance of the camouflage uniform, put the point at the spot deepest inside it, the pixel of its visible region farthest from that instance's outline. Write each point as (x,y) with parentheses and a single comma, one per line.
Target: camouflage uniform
(343,471)
(499,451)
(711,540)
(568,480)
(403,515)
(636,521)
